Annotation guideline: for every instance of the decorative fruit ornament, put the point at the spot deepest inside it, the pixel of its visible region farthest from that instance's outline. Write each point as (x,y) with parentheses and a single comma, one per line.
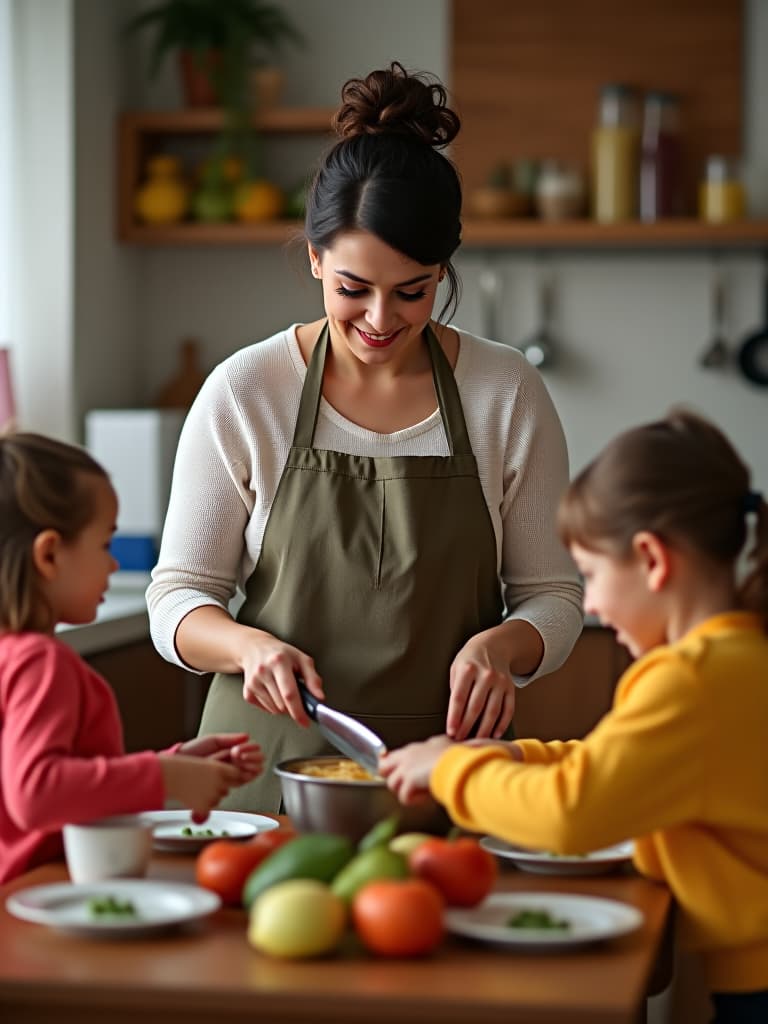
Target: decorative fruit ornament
(258,200)
(214,198)
(164,197)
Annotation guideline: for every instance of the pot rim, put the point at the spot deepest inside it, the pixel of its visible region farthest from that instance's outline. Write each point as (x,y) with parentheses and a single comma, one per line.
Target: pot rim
(284,770)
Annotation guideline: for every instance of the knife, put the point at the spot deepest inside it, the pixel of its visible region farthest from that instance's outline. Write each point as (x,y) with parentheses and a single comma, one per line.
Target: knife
(349,736)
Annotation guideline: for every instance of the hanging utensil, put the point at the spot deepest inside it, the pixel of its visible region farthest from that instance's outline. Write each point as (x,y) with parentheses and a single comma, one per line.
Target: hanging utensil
(753,352)
(349,736)
(541,348)
(717,353)
(490,291)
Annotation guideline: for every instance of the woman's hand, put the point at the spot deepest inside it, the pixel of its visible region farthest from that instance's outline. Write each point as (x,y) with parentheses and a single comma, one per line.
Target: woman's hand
(210,640)
(408,769)
(481,678)
(270,669)
(233,748)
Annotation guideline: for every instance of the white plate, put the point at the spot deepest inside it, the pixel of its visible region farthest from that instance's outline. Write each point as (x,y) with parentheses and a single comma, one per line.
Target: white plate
(598,862)
(159,906)
(168,828)
(591,920)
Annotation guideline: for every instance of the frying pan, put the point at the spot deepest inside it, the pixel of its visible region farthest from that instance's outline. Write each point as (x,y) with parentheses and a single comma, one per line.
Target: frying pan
(752,355)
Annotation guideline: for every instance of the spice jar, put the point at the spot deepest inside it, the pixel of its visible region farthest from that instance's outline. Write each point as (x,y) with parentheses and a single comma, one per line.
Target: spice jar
(615,155)
(721,193)
(559,191)
(660,182)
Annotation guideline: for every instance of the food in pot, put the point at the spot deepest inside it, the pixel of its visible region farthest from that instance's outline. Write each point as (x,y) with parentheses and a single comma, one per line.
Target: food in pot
(343,768)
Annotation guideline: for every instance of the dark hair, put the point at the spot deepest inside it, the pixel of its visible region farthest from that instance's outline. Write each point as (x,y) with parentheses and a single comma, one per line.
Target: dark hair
(42,487)
(681,479)
(385,174)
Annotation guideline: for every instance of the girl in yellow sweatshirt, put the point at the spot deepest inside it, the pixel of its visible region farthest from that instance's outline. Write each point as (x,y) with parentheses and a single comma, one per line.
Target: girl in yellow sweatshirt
(656,524)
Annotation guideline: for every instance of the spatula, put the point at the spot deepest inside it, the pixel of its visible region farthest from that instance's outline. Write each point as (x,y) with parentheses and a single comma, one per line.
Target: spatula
(350,737)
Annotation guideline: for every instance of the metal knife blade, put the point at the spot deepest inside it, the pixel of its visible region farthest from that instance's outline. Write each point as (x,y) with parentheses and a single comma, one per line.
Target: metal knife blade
(345,733)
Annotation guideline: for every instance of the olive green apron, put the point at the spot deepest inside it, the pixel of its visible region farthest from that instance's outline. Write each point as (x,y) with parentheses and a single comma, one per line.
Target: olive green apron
(380,569)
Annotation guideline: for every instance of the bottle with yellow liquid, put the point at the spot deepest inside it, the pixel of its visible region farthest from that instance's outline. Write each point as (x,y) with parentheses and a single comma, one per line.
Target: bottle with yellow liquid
(164,197)
(616,155)
(721,193)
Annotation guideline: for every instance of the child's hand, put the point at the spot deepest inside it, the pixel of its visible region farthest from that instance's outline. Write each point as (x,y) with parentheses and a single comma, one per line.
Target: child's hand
(198,782)
(407,770)
(232,747)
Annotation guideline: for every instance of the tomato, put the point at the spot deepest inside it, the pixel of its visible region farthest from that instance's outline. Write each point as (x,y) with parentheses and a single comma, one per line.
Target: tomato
(224,865)
(461,869)
(397,917)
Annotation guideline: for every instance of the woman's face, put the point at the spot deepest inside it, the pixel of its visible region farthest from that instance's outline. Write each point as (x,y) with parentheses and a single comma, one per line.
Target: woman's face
(378,301)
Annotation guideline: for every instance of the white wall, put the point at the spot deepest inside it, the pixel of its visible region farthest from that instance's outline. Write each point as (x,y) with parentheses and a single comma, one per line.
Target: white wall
(630,324)
(43,171)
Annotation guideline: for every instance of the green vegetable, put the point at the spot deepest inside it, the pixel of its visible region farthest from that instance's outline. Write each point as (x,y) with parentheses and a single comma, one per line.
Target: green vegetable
(368,866)
(537,919)
(380,834)
(111,906)
(202,833)
(317,855)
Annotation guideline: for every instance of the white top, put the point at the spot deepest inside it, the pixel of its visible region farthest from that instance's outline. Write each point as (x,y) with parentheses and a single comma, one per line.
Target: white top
(236,439)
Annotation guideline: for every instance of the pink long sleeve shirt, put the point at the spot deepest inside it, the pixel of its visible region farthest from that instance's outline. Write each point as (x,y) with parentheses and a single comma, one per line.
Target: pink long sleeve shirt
(62,757)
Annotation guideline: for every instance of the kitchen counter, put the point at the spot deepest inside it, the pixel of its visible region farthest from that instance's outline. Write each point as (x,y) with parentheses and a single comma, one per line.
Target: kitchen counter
(209,972)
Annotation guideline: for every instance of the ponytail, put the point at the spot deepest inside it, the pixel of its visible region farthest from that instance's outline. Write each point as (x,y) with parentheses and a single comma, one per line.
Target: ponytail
(753,591)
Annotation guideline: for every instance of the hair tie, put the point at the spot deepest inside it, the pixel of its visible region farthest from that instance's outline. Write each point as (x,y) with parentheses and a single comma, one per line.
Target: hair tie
(752,502)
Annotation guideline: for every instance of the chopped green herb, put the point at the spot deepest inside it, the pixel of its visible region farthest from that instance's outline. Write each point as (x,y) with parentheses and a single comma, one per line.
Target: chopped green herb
(111,906)
(537,919)
(203,833)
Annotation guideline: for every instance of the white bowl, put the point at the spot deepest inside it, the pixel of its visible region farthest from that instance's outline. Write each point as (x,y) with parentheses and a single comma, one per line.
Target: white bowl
(118,847)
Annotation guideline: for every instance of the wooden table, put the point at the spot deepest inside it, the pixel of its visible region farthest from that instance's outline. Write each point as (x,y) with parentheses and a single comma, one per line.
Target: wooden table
(208,973)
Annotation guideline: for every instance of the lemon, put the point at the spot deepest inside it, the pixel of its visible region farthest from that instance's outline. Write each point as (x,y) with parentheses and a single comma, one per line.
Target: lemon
(258,200)
(298,918)
(407,842)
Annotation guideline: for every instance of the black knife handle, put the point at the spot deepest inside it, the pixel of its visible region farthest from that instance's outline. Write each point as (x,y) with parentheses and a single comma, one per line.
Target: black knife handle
(308,699)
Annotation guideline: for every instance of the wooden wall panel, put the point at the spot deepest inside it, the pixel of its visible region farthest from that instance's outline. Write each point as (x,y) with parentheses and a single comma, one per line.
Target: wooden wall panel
(526,74)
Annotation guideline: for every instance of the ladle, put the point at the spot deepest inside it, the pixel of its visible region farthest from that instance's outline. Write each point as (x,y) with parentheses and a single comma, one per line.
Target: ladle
(717,353)
(541,348)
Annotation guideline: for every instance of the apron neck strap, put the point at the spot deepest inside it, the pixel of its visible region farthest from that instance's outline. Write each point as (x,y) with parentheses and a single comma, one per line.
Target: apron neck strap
(445,387)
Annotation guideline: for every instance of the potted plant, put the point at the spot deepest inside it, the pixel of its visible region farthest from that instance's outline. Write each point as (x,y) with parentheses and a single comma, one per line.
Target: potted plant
(217,43)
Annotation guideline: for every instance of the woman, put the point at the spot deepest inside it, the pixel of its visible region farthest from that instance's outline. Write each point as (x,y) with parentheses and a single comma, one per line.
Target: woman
(382,487)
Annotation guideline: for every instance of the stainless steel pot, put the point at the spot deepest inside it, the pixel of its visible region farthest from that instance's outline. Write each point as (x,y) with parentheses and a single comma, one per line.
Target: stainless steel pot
(349,807)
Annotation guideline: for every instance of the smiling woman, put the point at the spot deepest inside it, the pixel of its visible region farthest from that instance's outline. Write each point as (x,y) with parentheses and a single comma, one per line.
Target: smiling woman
(379,484)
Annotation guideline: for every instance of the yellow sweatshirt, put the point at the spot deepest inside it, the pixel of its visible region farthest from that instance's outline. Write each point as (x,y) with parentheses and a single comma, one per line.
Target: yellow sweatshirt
(680,764)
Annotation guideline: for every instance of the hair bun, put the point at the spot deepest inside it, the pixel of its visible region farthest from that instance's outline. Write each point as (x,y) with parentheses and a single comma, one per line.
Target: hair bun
(393,102)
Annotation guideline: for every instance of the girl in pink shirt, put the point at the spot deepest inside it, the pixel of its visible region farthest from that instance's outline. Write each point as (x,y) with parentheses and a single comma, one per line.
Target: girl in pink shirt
(62,757)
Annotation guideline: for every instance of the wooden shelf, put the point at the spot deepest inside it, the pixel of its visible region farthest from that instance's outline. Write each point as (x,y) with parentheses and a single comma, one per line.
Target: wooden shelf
(491,234)
(141,132)
(573,234)
(209,120)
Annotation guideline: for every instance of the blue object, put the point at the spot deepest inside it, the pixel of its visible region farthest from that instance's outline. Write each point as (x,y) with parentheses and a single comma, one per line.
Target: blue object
(134,552)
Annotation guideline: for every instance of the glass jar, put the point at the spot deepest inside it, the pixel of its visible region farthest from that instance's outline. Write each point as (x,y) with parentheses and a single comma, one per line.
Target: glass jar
(559,191)
(660,182)
(615,155)
(721,193)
